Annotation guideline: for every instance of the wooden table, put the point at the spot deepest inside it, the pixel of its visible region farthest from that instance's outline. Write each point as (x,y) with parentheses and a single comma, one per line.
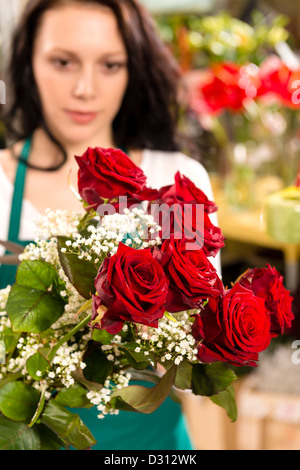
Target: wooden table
(248,226)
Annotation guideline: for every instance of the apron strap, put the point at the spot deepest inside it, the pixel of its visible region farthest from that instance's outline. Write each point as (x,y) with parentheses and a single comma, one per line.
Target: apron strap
(8,272)
(17,200)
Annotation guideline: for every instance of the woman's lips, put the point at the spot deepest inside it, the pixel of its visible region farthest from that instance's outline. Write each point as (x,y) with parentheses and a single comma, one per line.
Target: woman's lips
(81,117)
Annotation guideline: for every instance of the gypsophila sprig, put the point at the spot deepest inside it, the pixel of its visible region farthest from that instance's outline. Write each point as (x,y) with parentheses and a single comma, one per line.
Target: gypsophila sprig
(98,240)
(172,340)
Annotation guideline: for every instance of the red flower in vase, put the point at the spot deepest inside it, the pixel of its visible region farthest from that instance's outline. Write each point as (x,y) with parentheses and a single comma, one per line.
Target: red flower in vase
(279,82)
(226,86)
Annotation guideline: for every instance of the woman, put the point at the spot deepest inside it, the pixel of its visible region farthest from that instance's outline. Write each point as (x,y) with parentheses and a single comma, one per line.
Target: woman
(91,74)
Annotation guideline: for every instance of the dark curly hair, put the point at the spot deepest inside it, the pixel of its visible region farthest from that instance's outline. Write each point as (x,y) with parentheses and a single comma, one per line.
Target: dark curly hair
(149,111)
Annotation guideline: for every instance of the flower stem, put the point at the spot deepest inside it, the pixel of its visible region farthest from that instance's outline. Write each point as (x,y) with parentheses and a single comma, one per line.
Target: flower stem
(68,336)
(169,316)
(39,408)
(86,219)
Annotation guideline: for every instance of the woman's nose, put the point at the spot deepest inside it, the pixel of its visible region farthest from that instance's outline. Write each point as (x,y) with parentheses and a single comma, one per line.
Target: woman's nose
(85,85)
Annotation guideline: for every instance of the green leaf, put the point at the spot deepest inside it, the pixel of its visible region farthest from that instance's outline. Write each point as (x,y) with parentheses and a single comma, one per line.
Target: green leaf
(143,399)
(183,377)
(102,336)
(73,397)
(17,436)
(79,377)
(37,363)
(36,274)
(49,440)
(226,399)
(68,426)
(32,311)
(11,377)
(138,359)
(10,339)
(209,379)
(33,303)
(147,375)
(80,272)
(18,401)
(98,367)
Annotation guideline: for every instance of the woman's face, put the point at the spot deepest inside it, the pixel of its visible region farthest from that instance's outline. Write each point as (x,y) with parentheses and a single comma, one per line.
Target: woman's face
(80,68)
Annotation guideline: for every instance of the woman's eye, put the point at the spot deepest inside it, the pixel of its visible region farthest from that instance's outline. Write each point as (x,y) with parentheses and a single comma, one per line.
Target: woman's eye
(113,66)
(62,63)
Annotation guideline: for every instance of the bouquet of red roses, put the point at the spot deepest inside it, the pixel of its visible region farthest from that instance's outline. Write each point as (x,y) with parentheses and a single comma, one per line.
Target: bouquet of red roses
(114,295)
(231,325)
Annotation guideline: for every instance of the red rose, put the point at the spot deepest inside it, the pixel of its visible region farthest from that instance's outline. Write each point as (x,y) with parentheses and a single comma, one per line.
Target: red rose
(210,236)
(234,328)
(146,194)
(267,283)
(191,222)
(106,174)
(132,286)
(192,277)
(183,208)
(185,191)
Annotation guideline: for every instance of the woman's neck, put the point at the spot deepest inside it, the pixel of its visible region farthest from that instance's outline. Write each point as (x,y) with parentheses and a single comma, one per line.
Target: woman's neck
(45,153)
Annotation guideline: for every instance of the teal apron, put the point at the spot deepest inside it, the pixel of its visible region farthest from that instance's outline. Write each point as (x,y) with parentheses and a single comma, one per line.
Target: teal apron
(164,429)
(7,272)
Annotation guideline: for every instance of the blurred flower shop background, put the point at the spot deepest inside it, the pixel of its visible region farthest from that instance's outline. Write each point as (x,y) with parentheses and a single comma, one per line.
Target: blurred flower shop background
(240,63)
